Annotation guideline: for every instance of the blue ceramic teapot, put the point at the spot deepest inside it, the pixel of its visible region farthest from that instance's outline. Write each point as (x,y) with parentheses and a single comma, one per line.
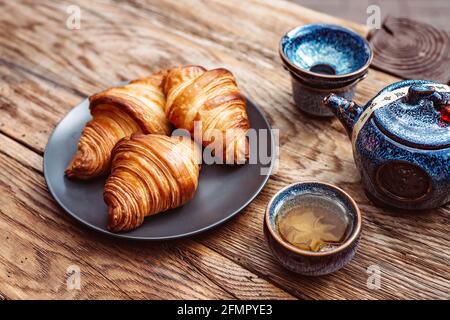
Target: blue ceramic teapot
(401,143)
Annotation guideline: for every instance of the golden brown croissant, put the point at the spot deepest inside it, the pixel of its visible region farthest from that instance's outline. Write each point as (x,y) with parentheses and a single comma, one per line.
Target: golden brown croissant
(117,113)
(149,174)
(212,98)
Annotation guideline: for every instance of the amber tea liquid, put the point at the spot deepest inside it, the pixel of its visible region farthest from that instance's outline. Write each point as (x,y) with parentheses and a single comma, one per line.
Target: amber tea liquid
(314,224)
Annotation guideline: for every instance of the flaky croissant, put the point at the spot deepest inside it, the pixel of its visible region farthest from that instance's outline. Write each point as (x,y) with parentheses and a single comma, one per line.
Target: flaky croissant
(212,99)
(149,174)
(118,112)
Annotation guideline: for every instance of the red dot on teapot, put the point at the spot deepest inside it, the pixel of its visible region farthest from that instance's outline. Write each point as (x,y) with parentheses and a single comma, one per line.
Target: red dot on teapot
(445,113)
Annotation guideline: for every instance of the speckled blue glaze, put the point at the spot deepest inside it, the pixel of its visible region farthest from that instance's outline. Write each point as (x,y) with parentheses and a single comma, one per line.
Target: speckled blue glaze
(402,163)
(415,124)
(323,58)
(306,262)
(310,100)
(315,44)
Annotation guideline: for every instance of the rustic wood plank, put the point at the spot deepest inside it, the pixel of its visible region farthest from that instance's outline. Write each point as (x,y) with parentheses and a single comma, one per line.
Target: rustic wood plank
(44,79)
(232,277)
(274,85)
(25,271)
(48,242)
(28,107)
(414,263)
(51,241)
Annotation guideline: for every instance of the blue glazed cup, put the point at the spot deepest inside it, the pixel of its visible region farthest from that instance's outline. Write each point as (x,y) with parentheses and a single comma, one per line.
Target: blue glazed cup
(324,59)
(306,262)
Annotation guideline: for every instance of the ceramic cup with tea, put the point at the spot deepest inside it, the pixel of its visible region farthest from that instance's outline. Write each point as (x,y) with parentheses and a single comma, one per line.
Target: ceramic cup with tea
(322,59)
(312,228)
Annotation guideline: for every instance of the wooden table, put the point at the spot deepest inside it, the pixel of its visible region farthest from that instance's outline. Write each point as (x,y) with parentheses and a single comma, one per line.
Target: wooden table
(47,68)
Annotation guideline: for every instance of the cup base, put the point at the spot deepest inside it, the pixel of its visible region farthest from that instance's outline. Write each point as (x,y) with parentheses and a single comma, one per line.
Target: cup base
(310,100)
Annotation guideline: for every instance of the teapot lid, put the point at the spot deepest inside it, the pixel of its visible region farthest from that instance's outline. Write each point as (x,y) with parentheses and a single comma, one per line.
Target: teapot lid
(411,112)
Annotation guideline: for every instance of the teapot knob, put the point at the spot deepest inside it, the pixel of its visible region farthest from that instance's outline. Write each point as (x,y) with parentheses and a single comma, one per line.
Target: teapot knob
(417,92)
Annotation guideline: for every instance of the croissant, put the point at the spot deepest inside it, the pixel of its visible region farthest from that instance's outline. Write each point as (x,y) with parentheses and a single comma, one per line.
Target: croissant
(149,174)
(118,112)
(211,99)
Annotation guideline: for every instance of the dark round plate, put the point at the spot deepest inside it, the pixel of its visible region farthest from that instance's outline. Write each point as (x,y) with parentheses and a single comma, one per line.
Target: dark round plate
(223,190)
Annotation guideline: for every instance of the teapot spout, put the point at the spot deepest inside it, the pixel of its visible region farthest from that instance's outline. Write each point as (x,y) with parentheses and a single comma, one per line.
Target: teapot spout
(345,110)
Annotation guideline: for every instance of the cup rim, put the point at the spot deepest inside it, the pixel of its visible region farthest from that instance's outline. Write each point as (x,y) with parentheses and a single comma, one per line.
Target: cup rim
(353,237)
(297,70)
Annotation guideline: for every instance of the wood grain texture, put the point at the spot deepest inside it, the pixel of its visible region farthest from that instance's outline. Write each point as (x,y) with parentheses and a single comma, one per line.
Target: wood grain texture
(46,69)
(40,242)
(412,50)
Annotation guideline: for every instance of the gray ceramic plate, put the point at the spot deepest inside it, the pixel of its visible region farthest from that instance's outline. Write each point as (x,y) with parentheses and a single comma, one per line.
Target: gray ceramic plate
(223,190)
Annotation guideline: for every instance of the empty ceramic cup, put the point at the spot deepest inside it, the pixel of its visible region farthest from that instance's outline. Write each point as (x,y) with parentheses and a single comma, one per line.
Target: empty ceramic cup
(312,228)
(324,59)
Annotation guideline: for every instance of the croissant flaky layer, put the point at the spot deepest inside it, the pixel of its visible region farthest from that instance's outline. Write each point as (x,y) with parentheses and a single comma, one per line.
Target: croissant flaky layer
(117,113)
(209,101)
(149,174)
